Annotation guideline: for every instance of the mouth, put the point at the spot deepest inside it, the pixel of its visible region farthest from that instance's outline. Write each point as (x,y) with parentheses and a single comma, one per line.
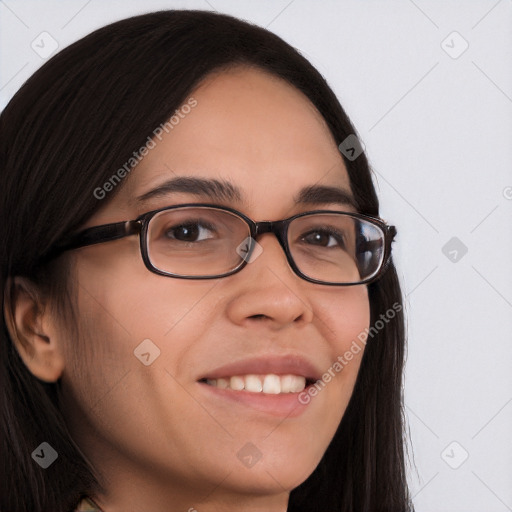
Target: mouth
(270,384)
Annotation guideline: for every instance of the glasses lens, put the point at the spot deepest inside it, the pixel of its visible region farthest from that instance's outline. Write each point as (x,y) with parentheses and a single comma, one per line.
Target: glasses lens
(336,248)
(196,241)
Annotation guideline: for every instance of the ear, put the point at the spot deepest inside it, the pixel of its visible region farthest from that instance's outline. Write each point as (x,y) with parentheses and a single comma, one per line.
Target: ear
(32,329)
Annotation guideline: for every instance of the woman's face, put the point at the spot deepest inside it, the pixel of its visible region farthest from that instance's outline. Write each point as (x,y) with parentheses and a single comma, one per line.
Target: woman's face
(157,431)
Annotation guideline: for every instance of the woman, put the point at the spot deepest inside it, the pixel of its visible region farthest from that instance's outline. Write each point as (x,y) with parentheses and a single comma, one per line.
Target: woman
(160,350)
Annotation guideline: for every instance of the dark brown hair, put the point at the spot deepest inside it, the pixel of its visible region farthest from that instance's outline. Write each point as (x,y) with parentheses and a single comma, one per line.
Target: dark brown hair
(74,122)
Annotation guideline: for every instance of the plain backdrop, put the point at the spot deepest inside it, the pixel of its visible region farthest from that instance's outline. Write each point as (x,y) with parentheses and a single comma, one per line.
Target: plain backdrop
(428,85)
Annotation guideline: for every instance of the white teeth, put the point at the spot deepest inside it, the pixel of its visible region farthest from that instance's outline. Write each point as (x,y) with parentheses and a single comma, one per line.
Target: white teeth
(298,385)
(222,383)
(253,383)
(271,384)
(237,383)
(287,384)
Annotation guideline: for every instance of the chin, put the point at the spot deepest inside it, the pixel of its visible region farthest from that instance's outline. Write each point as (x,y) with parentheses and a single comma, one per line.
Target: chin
(272,477)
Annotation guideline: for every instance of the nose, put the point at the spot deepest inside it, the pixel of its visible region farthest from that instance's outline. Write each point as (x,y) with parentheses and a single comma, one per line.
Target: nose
(268,287)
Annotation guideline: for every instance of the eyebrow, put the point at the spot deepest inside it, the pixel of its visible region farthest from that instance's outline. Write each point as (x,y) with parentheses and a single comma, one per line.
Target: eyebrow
(222,190)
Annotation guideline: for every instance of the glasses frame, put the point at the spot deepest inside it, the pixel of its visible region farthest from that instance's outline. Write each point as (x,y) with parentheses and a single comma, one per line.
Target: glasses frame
(139,226)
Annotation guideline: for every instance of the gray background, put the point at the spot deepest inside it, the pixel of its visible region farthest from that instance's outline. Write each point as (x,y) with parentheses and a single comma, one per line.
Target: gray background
(436,119)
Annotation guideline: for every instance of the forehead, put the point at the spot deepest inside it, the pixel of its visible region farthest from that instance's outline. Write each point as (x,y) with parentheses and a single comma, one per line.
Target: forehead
(248,128)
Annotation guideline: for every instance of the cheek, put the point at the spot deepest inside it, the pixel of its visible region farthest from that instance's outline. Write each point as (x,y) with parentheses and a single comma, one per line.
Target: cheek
(122,293)
(115,377)
(348,317)
(346,321)
(135,331)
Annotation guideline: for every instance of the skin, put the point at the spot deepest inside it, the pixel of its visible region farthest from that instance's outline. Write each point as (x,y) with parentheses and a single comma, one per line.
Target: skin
(157,440)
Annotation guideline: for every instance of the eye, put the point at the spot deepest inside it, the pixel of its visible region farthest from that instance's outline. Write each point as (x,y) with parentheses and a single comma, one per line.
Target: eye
(189,231)
(325,237)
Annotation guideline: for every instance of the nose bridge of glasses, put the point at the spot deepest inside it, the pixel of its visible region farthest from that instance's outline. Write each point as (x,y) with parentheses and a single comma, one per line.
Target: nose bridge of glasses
(276,227)
(265,226)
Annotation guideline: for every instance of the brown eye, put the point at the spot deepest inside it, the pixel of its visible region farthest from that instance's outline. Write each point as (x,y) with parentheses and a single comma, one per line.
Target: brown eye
(325,238)
(189,231)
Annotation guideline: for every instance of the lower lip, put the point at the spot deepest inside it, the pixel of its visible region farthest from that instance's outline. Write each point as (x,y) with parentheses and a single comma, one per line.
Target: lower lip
(285,405)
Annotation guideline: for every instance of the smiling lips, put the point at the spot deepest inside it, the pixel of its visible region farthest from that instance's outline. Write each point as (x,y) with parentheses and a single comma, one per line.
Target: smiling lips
(270,383)
(270,375)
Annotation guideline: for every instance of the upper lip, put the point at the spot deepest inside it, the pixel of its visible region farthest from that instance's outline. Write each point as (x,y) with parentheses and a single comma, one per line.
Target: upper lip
(281,365)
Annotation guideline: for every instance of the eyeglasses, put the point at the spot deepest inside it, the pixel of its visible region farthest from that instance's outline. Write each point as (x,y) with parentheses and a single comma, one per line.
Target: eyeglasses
(202,241)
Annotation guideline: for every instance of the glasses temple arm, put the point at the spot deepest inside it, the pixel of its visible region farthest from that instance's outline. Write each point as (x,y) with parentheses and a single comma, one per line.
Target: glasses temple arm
(99,234)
